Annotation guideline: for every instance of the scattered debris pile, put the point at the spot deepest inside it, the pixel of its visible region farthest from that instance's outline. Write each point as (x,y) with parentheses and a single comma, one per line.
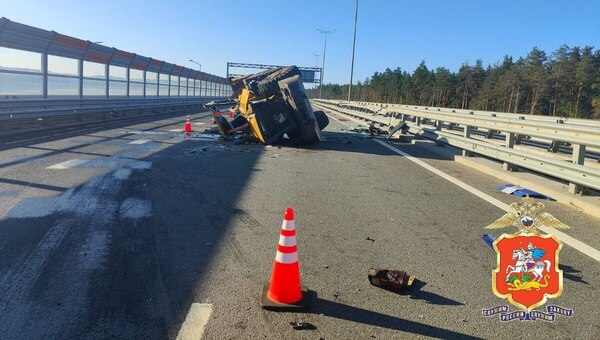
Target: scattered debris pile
(391,279)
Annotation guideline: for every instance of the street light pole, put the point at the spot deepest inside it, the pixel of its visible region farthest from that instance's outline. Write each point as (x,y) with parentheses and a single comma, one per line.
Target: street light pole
(353,48)
(313,91)
(317,62)
(197,63)
(324,32)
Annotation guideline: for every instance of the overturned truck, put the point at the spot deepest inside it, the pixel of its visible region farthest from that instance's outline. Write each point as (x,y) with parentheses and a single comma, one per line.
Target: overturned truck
(272,106)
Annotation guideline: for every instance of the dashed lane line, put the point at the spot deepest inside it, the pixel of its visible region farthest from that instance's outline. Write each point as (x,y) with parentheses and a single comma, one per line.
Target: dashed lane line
(68,164)
(140,141)
(195,322)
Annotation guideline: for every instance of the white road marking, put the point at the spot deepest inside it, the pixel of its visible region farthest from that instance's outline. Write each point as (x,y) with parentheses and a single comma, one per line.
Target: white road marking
(26,140)
(200,123)
(582,247)
(140,141)
(139,132)
(135,208)
(176,130)
(68,164)
(337,120)
(122,174)
(207,137)
(195,321)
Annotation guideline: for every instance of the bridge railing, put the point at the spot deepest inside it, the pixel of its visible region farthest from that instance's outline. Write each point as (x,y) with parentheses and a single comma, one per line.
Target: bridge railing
(460,128)
(46,73)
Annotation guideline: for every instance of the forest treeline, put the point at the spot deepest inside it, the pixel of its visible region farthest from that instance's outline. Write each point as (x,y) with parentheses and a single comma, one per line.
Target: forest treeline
(563,83)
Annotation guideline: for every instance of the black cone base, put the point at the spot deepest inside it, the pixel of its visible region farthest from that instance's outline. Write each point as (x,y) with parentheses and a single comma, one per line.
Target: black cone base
(302,304)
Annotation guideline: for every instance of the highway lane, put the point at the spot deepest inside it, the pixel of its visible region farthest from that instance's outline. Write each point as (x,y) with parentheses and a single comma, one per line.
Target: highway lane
(125,243)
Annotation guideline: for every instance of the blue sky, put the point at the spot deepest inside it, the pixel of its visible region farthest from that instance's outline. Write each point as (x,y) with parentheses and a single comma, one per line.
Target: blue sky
(391,33)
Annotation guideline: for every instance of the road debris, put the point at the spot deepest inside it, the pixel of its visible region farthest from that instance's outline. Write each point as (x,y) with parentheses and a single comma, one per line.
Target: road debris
(299,326)
(371,130)
(488,240)
(518,191)
(219,148)
(370,239)
(390,279)
(400,127)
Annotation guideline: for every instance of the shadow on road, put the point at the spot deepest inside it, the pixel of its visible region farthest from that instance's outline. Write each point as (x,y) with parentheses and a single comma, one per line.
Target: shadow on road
(417,293)
(364,316)
(120,258)
(27,138)
(362,143)
(569,274)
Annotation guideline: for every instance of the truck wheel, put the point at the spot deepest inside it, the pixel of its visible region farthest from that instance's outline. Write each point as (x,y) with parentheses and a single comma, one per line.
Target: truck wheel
(322,119)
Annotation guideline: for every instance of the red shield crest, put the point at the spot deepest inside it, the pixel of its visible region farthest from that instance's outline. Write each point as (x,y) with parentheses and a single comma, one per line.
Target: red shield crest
(527,272)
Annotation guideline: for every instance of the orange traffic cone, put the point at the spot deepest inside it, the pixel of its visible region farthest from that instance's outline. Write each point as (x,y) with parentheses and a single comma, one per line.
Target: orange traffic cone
(188,125)
(285,292)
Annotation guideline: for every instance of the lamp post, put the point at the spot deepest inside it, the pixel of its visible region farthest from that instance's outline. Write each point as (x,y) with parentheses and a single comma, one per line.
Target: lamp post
(317,62)
(353,47)
(314,90)
(197,63)
(325,33)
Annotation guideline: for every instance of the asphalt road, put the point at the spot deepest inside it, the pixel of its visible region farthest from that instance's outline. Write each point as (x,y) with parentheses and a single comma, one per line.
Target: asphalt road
(116,231)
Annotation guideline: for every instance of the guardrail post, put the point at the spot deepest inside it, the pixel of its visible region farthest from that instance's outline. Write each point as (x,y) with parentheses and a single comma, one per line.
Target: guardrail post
(518,139)
(403,121)
(45,75)
(418,121)
(510,143)
(467,134)
(554,146)
(107,80)
(578,158)
(80,72)
(438,125)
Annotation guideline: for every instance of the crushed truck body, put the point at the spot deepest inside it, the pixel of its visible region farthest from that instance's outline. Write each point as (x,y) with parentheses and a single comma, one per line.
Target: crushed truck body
(272,106)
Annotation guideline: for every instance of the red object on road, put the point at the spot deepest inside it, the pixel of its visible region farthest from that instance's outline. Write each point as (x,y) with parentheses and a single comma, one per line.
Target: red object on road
(188,125)
(285,292)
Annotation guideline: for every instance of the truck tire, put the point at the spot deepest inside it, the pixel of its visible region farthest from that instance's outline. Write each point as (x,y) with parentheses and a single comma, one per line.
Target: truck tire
(322,119)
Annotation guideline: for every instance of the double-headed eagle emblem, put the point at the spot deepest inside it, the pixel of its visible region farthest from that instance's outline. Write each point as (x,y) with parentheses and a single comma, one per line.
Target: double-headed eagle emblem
(527,217)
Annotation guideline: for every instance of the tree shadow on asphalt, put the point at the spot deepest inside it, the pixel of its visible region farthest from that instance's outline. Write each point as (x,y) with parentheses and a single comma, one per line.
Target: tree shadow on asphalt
(364,316)
(360,143)
(568,273)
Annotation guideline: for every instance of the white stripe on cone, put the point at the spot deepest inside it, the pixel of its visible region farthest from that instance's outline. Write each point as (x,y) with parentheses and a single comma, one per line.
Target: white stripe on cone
(286,258)
(288,225)
(287,241)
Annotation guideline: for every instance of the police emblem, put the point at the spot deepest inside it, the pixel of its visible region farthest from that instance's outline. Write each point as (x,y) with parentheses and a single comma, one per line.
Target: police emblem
(527,271)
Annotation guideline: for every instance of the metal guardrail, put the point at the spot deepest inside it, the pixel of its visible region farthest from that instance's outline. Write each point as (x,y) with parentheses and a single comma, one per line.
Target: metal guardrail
(580,136)
(47,114)
(44,108)
(539,118)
